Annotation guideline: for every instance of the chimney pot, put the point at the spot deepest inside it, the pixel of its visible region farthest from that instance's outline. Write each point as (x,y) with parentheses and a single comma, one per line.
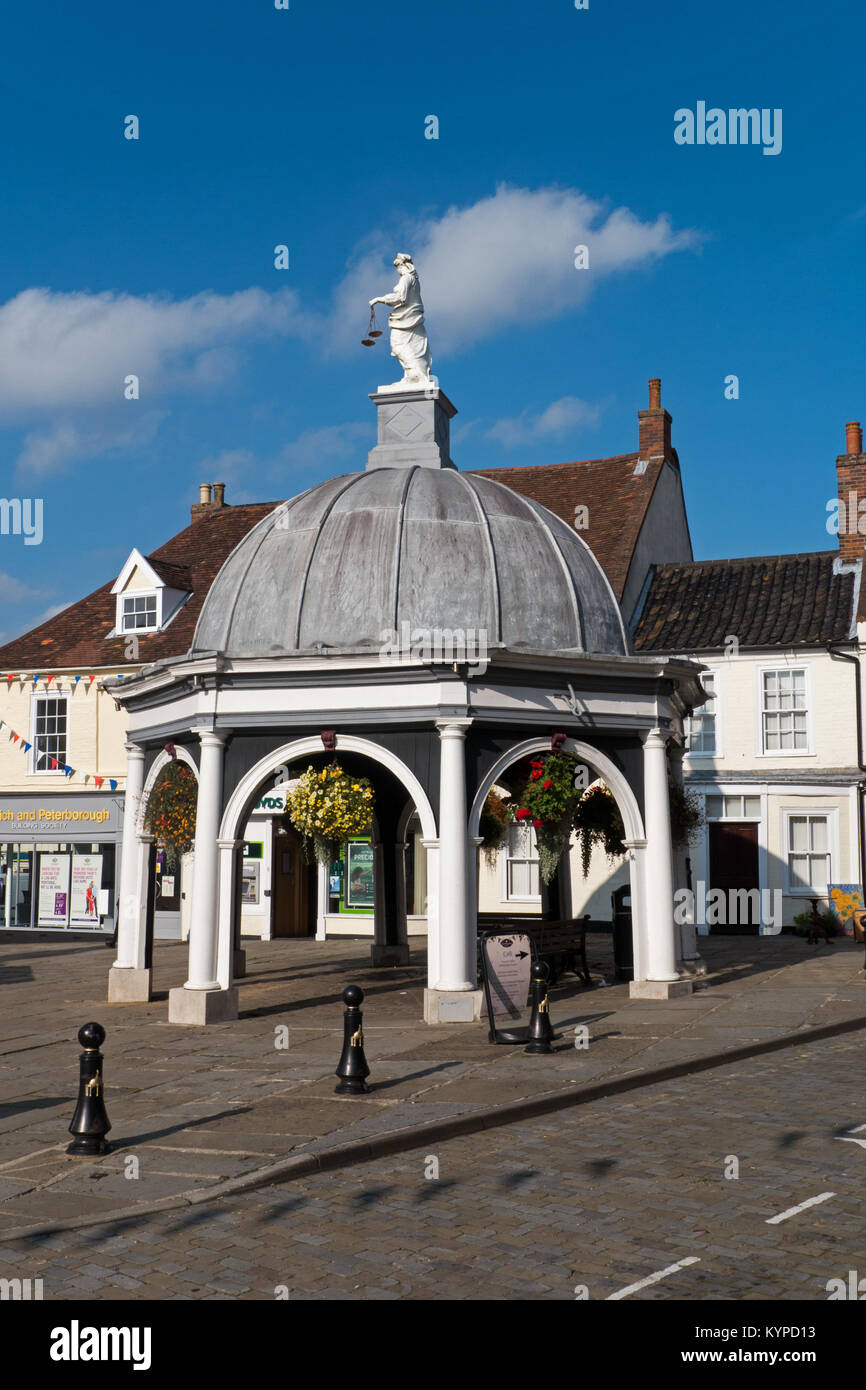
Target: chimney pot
(853,437)
(655,393)
(219,494)
(204,494)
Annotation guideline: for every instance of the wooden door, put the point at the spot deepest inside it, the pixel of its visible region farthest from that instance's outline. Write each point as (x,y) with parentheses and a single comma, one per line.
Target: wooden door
(290,899)
(734,864)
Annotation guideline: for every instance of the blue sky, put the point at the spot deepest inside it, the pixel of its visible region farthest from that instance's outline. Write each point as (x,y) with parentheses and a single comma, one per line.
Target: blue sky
(306,127)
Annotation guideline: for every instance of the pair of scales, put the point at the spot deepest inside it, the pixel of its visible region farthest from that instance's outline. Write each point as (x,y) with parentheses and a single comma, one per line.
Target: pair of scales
(372,332)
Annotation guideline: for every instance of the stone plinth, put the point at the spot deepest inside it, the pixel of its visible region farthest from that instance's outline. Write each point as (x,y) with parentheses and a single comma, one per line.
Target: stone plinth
(127,985)
(414,428)
(200,1006)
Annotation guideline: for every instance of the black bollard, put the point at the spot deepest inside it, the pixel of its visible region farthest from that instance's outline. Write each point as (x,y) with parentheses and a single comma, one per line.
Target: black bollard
(540,1029)
(352,1068)
(90,1123)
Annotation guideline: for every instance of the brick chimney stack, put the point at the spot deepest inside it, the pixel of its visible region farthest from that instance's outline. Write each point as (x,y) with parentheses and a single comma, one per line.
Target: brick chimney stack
(212,496)
(654,438)
(851,480)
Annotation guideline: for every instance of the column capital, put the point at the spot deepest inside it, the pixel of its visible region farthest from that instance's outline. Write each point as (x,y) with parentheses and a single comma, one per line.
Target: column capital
(209,737)
(656,738)
(453,728)
(134,750)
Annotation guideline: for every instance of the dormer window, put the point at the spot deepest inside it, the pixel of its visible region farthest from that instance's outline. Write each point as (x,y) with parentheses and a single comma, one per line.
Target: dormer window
(139,613)
(148,592)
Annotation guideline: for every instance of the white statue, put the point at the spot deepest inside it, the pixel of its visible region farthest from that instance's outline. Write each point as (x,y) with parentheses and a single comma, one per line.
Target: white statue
(406,321)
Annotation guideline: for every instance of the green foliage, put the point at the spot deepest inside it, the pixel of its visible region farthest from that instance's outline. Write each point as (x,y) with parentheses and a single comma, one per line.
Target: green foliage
(597,821)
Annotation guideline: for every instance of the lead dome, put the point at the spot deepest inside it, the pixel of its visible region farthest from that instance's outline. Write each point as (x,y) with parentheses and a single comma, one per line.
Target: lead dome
(346,563)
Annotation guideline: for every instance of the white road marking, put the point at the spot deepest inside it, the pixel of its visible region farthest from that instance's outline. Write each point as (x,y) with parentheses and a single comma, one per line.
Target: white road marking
(793,1211)
(653,1278)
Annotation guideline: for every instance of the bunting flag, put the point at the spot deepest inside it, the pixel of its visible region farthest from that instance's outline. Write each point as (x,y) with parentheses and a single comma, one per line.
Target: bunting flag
(66,768)
(18,739)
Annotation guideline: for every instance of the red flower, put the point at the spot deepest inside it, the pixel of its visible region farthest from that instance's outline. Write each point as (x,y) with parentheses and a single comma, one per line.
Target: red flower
(522,814)
(547,785)
(536,823)
(535,775)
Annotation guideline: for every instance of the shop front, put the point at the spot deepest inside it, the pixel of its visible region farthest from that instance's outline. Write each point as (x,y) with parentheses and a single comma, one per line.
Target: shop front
(59,861)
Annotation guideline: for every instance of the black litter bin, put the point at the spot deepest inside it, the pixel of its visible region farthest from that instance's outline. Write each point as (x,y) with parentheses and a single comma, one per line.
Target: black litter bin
(623,951)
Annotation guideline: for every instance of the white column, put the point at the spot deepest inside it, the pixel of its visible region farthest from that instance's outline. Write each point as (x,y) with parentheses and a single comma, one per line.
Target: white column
(203,918)
(322,891)
(132,905)
(228,861)
(687,945)
(431,911)
(456,923)
(661,940)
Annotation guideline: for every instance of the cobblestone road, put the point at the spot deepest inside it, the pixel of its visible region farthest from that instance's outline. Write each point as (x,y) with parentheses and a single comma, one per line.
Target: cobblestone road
(604,1197)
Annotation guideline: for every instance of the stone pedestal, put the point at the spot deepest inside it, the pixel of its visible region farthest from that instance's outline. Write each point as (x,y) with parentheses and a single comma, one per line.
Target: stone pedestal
(128,985)
(659,989)
(414,428)
(200,1006)
(452,1006)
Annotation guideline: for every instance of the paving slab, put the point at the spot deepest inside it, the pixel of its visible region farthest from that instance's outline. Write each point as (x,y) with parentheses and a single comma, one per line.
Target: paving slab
(199,1106)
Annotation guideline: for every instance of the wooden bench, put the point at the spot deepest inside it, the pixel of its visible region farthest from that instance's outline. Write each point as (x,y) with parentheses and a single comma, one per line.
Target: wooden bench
(561,945)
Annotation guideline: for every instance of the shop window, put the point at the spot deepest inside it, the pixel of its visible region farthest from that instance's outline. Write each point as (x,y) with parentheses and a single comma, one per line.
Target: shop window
(808,854)
(702,727)
(784,712)
(522,880)
(139,613)
(49,733)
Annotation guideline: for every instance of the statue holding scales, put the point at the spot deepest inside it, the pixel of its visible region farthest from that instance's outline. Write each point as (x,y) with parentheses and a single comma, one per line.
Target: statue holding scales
(408,334)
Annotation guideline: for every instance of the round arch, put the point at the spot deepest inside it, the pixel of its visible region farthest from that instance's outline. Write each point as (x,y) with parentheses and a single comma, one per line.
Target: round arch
(162,760)
(238,803)
(613,777)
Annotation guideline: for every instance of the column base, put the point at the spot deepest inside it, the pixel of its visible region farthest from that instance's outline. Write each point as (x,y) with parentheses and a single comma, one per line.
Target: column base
(390,955)
(452,1005)
(199,1006)
(239,964)
(659,989)
(129,986)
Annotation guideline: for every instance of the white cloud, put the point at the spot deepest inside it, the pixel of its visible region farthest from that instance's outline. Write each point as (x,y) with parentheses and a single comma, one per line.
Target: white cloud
(12,590)
(505,260)
(333,443)
(74,349)
(561,417)
(51,450)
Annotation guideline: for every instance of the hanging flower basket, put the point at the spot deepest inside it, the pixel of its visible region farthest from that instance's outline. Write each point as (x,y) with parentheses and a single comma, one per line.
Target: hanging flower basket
(547,802)
(170,811)
(597,821)
(687,815)
(493,826)
(327,807)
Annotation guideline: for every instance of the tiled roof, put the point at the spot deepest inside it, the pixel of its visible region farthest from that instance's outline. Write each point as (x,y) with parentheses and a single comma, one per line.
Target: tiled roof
(615,496)
(763,601)
(190,560)
(175,576)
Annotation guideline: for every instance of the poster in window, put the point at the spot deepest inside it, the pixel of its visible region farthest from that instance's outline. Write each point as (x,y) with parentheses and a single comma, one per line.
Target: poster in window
(53,890)
(86,883)
(250,883)
(359,874)
(166,886)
